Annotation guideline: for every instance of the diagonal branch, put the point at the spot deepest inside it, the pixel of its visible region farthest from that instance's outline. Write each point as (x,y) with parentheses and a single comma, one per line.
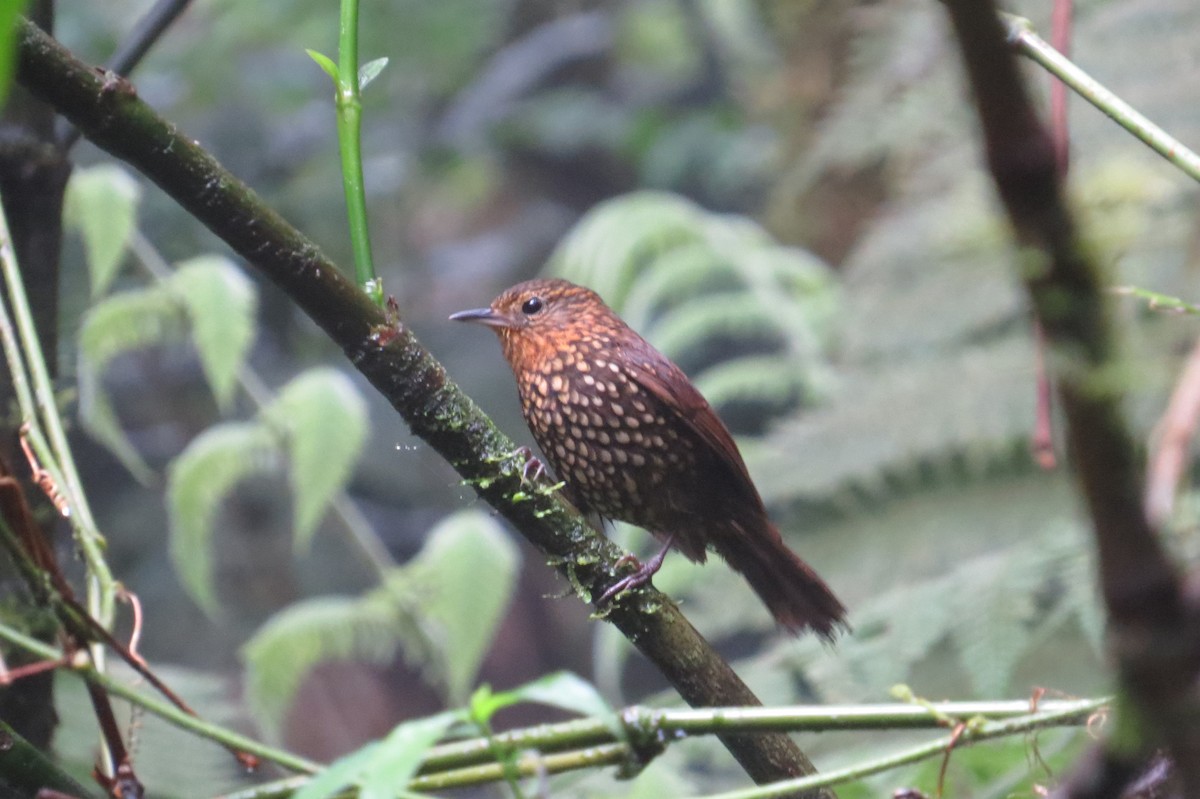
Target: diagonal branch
(107,110)
(1153,627)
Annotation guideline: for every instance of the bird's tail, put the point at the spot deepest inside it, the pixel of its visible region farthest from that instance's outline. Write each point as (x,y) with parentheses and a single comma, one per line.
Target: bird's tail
(796,596)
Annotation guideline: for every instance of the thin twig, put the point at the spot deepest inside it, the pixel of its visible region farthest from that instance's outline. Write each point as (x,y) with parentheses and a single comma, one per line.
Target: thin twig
(1026,42)
(1170,450)
(145,34)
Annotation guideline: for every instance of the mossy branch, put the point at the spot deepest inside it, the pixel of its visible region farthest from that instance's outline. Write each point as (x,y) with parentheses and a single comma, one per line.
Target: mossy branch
(107,110)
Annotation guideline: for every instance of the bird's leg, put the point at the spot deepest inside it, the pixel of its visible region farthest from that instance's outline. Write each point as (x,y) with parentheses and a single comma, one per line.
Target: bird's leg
(641,574)
(533,469)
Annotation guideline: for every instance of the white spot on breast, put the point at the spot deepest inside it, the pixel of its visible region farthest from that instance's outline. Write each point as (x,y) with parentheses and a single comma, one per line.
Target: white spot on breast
(591,381)
(556,383)
(638,459)
(560,450)
(622,437)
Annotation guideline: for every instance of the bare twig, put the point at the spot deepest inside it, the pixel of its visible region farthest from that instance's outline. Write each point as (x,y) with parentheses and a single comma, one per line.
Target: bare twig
(145,34)
(1169,455)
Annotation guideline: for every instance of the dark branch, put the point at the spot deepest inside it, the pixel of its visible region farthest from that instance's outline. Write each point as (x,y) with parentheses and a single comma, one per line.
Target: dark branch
(107,110)
(145,34)
(1153,627)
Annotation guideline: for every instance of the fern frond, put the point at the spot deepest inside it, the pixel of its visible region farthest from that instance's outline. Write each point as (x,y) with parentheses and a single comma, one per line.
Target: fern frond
(709,289)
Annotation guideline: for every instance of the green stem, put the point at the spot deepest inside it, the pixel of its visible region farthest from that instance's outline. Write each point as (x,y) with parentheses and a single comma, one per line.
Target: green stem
(168,712)
(35,396)
(1021,35)
(589,743)
(349,126)
(971,733)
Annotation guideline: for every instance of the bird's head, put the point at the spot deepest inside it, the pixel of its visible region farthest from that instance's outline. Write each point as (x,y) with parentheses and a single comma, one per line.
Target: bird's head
(538,318)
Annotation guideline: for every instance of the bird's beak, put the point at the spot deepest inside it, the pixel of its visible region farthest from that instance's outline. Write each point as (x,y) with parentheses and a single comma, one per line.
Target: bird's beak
(484,316)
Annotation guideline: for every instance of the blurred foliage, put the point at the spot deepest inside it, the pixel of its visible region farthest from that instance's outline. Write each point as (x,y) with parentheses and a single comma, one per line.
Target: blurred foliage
(889,381)
(749,320)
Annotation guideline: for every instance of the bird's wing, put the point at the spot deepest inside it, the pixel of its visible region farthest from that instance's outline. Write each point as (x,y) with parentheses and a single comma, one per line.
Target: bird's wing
(677,396)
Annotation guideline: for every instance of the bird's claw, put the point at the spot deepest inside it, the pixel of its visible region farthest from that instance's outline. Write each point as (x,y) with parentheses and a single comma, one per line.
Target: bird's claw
(533,468)
(640,576)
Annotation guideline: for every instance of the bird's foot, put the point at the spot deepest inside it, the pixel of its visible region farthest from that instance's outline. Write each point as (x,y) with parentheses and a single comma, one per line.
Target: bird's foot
(533,469)
(641,575)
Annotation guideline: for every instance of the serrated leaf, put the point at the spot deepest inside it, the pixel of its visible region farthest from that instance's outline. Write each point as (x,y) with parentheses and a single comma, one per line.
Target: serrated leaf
(97,416)
(326,63)
(198,482)
(474,567)
(370,71)
(118,324)
(298,638)
(325,419)
(221,303)
(101,203)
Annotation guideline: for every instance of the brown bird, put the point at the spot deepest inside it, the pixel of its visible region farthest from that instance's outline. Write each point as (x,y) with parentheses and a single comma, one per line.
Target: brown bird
(635,441)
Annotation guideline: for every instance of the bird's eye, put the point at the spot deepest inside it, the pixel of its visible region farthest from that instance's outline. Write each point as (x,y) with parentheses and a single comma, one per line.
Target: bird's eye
(532,306)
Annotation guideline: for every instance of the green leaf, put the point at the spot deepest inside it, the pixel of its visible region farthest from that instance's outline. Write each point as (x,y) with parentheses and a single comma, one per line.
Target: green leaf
(396,760)
(471,567)
(325,420)
(326,63)
(221,303)
(101,203)
(301,636)
(567,691)
(10,10)
(382,769)
(198,481)
(122,323)
(342,772)
(99,418)
(370,71)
